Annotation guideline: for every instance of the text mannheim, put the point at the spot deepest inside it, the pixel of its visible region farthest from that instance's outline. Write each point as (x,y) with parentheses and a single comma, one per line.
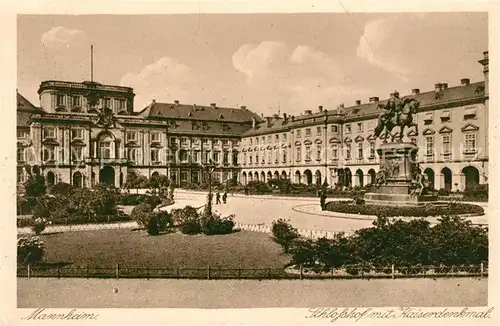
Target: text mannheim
(70,140)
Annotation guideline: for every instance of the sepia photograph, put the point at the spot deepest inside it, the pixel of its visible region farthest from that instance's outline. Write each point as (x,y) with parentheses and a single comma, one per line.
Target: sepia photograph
(253,160)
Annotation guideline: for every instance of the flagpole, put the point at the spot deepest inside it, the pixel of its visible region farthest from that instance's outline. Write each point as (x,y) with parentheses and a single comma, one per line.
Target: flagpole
(91,63)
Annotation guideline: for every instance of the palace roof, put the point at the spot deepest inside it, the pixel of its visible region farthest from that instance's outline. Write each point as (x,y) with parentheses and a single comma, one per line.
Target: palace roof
(25,109)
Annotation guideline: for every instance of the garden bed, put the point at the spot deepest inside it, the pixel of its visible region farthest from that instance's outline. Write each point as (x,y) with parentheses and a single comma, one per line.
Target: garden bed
(348,207)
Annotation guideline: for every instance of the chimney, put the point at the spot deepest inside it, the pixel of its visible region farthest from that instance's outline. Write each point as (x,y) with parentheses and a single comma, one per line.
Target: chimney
(465,81)
(374,99)
(320,108)
(341,106)
(307,112)
(284,116)
(358,102)
(293,118)
(262,115)
(176,102)
(415,91)
(485,62)
(268,120)
(243,107)
(213,105)
(444,86)
(437,88)
(153,101)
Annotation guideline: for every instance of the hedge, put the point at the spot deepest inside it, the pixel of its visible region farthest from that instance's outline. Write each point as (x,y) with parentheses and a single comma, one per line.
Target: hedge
(349,207)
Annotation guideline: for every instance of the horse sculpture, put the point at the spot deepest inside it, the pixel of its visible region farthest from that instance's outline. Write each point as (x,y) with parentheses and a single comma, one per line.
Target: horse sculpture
(397,112)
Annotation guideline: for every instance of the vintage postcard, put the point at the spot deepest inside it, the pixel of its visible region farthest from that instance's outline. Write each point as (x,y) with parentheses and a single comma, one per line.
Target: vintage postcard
(250,163)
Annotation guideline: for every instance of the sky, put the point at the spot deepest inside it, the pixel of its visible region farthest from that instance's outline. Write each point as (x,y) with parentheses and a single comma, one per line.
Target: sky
(271,63)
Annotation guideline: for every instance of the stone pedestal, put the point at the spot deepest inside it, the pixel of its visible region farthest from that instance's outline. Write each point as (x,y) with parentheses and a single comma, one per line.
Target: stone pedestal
(399,160)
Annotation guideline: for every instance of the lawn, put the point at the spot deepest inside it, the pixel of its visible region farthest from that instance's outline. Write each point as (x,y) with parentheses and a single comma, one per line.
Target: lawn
(105,248)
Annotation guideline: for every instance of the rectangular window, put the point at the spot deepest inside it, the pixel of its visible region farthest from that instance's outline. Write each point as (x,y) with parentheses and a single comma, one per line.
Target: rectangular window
(184,176)
(269,157)
(206,141)
(235,158)
(120,104)
(348,129)
(76,133)
(206,157)
(335,151)
(269,138)
(48,154)
(284,136)
(76,101)
(263,139)
(297,133)
(183,156)
(105,149)
(49,132)
(132,155)
(372,149)
(77,154)
(196,157)
(131,136)
(20,176)
(217,157)
(308,132)
(256,140)
(107,103)
(318,153)
(22,134)
(184,141)
(446,116)
(256,158)
(298,154)
(348,151)
(225,158)
(284,155)
(360,150)
(446,144)
(470,143)
(334,129)
(60,100)
(225,142)
(429,145)
(20,155)
(155,137)
(318,131)
(360,127)
(250,159)
(196,141)
(428,118)
(308,153)
(173,141)
(470,113)
(250,141)
(277,138)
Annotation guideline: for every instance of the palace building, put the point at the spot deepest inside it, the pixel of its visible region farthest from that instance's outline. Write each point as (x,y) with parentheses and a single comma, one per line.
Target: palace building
(84,133)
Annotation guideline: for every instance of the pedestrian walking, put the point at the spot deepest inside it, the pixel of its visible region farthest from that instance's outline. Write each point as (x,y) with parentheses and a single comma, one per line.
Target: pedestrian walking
(217,198)
(224,197)
(323,197)
(246,191)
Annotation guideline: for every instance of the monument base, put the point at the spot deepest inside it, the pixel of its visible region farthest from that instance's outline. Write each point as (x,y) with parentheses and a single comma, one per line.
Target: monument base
(398,199)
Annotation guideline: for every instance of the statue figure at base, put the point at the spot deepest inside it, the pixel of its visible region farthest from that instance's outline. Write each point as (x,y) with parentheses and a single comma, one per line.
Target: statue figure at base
(381,177)
(419,183)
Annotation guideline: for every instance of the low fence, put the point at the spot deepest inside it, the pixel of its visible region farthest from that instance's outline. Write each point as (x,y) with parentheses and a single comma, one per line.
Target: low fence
(348,271)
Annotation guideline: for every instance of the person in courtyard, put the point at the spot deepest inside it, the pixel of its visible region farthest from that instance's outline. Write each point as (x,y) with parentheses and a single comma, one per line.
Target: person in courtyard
(322,199)
(217,198)
(246,190)
(224,197)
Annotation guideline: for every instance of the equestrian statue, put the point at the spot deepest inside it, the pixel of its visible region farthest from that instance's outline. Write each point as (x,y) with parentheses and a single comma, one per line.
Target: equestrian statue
(398,112)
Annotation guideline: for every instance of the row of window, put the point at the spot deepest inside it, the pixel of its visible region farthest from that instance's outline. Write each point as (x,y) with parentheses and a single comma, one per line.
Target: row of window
(117,104)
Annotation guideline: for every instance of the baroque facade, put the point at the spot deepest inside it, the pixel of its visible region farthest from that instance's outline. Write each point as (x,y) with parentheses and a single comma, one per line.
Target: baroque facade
(85,133)
(339,146)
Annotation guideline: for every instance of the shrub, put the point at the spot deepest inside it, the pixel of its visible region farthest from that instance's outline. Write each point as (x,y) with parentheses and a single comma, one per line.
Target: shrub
(284,234)
(396,211)
(141,214)
(190,227)
(181,216)
(152,224)
(443,192)
(216,225)
(259,187)
(131,199)
(476,193)
(30,250)
(164,220)
(39,225)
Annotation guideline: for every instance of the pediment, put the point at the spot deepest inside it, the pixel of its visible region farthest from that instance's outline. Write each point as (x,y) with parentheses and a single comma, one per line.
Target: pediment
(445,130)
(371,137)
(334,140)
(307,142)
(412,133)
(359,138)
(78,142)
(347,140)
(132,144)
(276,147)
(244,150)
(250,150)
(470,127)
(428,131)
(156,145)
(318,141)
(298,143)
(269,147)
(50,142)
(284,146)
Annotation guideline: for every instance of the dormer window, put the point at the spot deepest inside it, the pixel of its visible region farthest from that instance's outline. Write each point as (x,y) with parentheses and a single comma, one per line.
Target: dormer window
(120,105)
(76,101)
(76,134)
(347,128)
(131,136)
(60,100)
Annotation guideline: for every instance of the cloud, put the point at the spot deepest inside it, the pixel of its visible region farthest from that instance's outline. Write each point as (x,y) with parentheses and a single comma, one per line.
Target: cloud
(164,80)
(376,45)
(60,37)
(302,77)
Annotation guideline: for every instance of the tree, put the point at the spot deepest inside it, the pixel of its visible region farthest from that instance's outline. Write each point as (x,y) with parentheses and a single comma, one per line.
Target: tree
(35,184)
(284,234)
